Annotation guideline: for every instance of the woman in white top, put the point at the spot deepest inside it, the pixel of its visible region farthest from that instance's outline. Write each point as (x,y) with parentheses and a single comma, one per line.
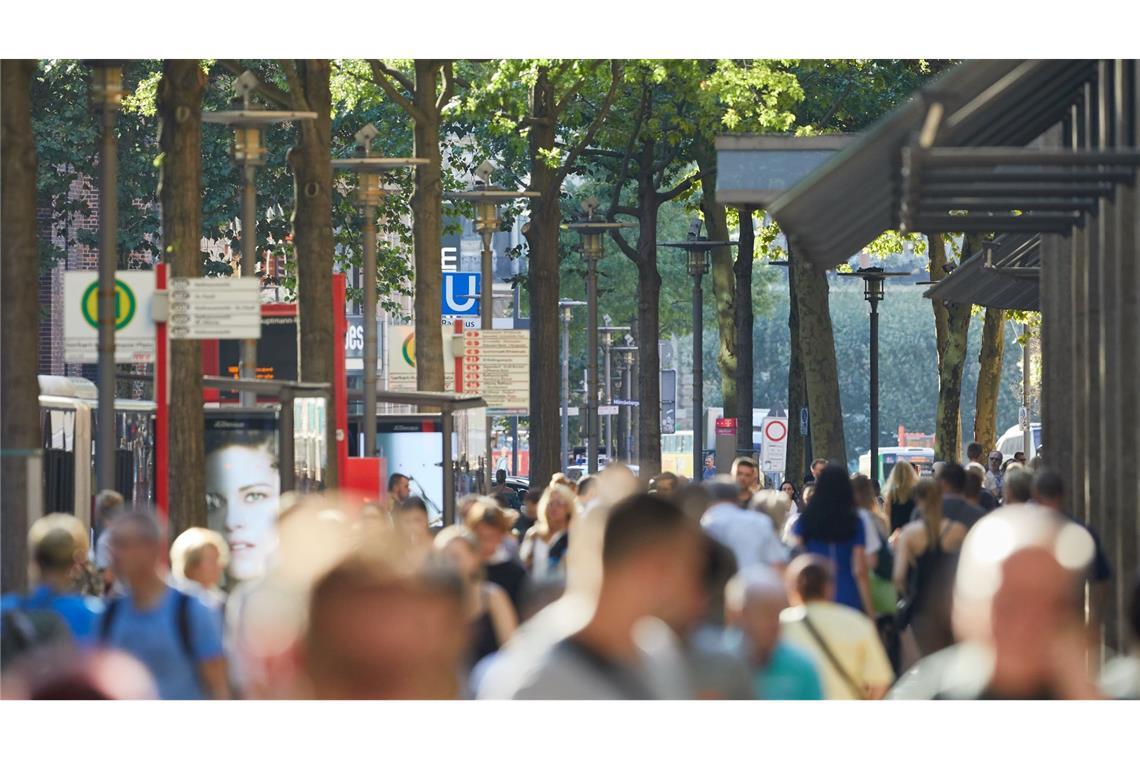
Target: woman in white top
(543,549)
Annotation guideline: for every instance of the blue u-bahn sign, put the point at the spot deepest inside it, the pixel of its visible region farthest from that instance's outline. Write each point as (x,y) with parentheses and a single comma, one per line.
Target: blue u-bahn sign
(461,294)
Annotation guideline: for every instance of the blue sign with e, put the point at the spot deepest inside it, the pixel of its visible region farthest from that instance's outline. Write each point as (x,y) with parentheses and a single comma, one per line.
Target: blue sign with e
(461,294)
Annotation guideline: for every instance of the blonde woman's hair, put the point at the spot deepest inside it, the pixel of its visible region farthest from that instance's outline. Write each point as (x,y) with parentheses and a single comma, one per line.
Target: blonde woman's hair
(561,493)
(901,483)
(187,550)
(928,494)
(456,532)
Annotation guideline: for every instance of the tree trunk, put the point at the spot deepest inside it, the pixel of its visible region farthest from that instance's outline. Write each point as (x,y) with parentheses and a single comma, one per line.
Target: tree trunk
(723,282)
(543,284)
(427,231)
(744,364)
(649,329)
(821,373)
(796,465)
(952,328)
(180,191)
(310,160)
(19,321)
(989,379)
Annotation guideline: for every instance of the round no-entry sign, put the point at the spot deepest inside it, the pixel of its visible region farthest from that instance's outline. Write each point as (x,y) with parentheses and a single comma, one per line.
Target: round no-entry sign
(776,430)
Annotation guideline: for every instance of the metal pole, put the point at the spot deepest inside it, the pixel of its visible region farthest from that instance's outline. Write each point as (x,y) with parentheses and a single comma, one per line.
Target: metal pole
(248,269)
(1027,435)
(875,468)
(565,388)
(608,393)
(592,366)
(285,456)
(698,379)
(515,445)
(108,262)
(369,411)
(448,470)
(627,412)
(487,294)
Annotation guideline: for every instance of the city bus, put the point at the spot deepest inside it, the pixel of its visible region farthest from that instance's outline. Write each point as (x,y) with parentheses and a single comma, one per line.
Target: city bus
(890,455)
(677,453)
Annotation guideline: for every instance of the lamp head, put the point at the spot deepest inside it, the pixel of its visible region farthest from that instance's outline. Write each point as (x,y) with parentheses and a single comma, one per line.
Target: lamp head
(589,206)
(695,229)
(484,171)
(244,85)
(365,135)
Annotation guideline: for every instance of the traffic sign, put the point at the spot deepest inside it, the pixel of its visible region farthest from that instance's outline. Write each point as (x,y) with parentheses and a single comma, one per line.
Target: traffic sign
(134,327)
(607,410)
(774,444)
(461,294)
(498,361)
(224,308)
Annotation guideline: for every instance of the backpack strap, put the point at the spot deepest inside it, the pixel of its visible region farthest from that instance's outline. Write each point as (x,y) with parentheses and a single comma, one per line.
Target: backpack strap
(182,613)
(108,618)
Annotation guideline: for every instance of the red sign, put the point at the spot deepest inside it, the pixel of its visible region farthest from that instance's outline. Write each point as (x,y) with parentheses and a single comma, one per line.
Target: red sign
(776,430)
(726,425)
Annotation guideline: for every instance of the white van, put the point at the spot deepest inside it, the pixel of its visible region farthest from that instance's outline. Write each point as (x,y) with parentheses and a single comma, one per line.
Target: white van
(1013,441)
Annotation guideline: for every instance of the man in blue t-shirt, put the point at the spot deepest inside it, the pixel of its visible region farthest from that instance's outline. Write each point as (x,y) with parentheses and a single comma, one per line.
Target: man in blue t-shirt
(58,546)
(753,601)
(173,634)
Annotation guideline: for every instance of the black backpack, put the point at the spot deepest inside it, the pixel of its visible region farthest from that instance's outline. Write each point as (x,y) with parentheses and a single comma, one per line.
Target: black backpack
(181,614)
(23,629)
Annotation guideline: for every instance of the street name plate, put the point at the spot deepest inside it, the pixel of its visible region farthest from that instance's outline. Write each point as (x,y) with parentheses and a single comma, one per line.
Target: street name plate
(226,308)
(607,410)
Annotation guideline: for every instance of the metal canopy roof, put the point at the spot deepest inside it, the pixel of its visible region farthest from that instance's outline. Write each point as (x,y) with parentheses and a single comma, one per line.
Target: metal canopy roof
(855,196)
(1004,277)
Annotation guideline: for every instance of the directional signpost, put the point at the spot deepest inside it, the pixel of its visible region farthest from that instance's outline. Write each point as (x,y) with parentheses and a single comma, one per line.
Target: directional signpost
(496,365)
(215,307)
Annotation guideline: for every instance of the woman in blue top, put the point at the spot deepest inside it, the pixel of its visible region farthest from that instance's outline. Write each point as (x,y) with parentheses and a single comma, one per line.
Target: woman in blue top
(830,527)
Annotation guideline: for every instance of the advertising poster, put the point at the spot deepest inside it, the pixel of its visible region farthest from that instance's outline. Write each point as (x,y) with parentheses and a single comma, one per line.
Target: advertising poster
(243,486)
(413,446)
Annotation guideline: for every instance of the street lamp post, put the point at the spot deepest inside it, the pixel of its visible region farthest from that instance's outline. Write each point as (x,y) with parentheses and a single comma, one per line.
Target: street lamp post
(567,316)
(592,231)
(873,278)
(370,171)
(607,387)
(697,249)
(625,437)
(107,97)
(248,152)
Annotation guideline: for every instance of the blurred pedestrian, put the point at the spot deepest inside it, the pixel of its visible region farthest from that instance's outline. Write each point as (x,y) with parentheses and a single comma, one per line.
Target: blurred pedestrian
(543,549)
(528,513)
(172,633)
(716,669)
(108,506)
(831,527)
(502,489)
(880,560)
(198,559)
(663,484)
(816,469)
(898,497)
(789,488)
(976,494)
(1049,492)
(65,673)
(746,474)
(952,478)
(651,567)
(490,615)
(925,555)
(587,490)
(399,489)
(750,535)
(844,644)
(52,612)
(414,530)
(377,633)
(491,525)
(994,475)
(1017,614)
(1017,486)
(754,600)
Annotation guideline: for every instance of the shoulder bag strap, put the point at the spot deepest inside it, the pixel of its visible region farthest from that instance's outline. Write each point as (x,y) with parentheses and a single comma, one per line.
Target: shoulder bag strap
(183,618)
(847,679)
(109,618)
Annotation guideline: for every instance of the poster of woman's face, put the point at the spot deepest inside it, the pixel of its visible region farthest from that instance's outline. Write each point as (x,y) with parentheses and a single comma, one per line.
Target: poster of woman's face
(243,489)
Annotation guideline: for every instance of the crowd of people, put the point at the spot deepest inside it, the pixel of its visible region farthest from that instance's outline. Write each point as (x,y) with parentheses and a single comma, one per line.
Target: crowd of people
(971,583)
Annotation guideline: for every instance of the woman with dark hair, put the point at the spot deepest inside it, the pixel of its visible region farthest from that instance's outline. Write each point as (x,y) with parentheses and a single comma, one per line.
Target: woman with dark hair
(830,526)
(243,495)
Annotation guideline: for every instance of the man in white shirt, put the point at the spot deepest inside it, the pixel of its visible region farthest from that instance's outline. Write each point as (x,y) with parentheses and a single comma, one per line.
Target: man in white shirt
(751,535)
